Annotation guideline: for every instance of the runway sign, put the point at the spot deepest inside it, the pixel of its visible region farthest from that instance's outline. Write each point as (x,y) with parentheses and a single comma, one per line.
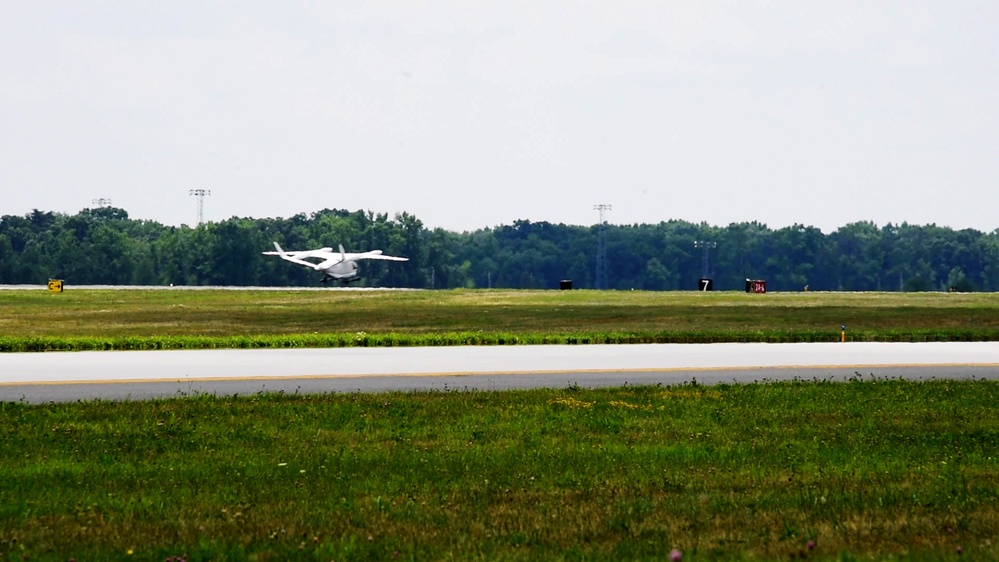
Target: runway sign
(756,286)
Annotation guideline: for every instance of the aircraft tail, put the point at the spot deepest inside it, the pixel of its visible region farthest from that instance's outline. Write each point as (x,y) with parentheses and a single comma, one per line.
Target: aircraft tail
(279,251)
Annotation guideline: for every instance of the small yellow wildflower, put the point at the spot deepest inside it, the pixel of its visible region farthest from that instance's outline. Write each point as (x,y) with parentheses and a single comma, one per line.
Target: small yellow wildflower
(572,403)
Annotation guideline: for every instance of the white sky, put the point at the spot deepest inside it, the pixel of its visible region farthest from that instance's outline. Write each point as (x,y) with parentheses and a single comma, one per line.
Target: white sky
(471,114)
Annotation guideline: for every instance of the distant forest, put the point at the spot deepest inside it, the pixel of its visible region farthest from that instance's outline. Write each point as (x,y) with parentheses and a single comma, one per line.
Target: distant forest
(104,246)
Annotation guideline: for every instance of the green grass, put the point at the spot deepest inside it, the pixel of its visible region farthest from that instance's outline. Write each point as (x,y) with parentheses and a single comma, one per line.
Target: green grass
(871,469)
(171,319)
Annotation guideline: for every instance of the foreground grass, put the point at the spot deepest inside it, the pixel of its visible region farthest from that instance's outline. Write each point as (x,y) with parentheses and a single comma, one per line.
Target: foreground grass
(866,469)
(175,319)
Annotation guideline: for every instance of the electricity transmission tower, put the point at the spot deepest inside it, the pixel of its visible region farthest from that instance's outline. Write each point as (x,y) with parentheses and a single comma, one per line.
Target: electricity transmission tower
(200,194)
(602,247)
(102,202)
(706,245)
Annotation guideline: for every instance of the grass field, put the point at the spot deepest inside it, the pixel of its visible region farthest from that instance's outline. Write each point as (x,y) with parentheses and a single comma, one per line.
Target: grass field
(870,469)
(120,319)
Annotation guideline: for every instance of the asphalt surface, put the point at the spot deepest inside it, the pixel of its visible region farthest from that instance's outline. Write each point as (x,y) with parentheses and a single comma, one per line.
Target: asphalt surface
(141,375)
(318,287)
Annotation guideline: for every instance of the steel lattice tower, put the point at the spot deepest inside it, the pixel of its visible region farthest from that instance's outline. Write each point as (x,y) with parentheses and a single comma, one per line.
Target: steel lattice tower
(200,194)
(602,247)
(706,259)
(102,202)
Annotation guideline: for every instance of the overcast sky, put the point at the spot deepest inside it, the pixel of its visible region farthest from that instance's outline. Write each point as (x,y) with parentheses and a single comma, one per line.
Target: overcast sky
(472,114)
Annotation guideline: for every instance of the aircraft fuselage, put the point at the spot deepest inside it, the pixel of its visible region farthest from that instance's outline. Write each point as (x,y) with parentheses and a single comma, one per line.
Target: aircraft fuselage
(339,266)
(345,272)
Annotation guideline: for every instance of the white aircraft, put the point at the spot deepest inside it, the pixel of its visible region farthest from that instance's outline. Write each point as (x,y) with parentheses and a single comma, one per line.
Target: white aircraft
(339,266)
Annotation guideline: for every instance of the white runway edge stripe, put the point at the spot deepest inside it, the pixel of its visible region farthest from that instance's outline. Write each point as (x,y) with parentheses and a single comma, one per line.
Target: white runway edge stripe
(193,365)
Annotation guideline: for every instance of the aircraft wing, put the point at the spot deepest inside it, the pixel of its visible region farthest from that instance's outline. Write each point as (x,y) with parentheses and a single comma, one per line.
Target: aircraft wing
(390,258)
(296,257)
(374,255)
(286,257)
(328,256)
(323,253)
(326,264)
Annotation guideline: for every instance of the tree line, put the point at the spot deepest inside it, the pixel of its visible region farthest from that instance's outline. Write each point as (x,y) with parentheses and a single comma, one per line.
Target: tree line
(104,246)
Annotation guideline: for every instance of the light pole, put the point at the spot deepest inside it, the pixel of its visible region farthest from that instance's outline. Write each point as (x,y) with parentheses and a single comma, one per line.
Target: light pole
(706,245)
(200,194)
(602,247)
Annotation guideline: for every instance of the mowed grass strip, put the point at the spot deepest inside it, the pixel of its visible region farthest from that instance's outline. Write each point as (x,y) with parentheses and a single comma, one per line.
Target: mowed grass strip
(870,469)
(172,319)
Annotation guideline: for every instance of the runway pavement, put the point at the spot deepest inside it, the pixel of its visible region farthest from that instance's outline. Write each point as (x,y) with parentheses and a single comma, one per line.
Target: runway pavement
(71,288)
(118,375)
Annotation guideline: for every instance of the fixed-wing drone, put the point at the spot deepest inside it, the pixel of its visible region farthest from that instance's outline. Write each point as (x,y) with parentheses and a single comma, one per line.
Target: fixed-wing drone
(339,266)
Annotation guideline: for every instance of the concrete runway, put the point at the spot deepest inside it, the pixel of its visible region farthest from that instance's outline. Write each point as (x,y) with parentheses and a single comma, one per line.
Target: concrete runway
(318,287)
(137,375)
